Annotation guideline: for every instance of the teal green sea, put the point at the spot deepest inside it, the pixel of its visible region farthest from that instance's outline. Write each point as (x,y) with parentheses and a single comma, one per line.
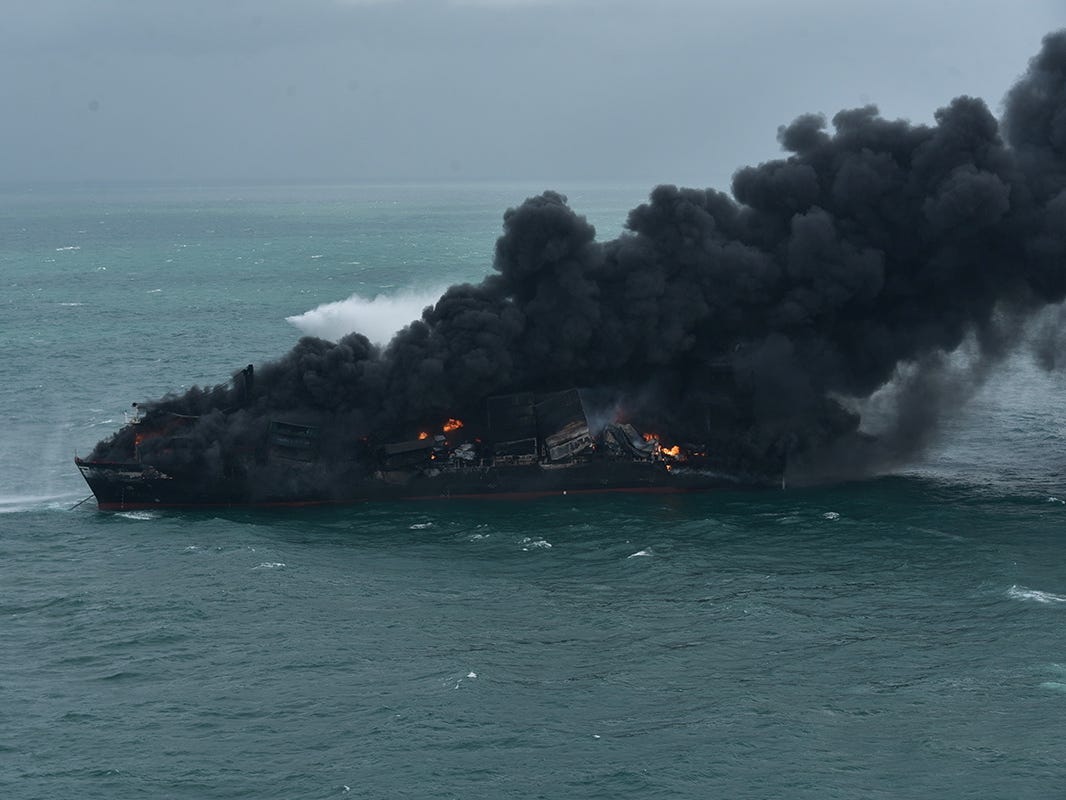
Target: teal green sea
(897,637)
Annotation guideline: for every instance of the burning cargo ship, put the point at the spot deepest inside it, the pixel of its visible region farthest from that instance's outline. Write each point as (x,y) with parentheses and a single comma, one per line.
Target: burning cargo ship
(750,328)
(525,445)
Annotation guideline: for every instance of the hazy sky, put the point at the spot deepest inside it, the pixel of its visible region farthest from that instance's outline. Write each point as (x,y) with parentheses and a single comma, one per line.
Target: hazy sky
(680,91)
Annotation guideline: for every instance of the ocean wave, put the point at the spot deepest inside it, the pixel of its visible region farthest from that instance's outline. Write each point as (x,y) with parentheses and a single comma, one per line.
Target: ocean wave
(1024,593)
(45,502)
(459,681)
(137,515)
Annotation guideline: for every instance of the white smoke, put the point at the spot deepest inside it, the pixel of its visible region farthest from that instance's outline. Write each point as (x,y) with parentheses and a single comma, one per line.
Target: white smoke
(377,318)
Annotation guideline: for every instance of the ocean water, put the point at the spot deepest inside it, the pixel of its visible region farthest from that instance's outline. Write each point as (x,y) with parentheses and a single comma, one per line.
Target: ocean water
(897,637)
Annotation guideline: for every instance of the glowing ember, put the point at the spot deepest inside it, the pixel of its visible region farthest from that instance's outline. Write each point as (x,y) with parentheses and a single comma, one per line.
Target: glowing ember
(423,435)
(452,425)
(650,437)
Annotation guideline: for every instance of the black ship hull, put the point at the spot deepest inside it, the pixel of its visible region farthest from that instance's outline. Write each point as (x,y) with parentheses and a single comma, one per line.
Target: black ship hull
(127,486)
(528,446)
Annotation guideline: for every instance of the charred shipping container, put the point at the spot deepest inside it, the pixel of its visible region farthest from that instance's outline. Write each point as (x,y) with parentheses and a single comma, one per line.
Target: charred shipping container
(562,424)
(526,428)
(401,455)
(513,428)
(293,442)
(622,439)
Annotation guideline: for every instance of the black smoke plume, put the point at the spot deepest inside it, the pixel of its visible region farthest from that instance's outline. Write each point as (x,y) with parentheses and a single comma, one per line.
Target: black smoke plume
(864,258)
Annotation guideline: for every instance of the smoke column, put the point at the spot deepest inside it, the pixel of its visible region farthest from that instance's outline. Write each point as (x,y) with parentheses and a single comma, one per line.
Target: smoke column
(864,257)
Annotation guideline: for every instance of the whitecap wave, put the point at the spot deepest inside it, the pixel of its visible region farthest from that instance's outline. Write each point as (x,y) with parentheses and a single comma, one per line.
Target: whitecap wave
(377,318)
(138,515)
(529,543)
(471,675)
(270,565)
(1035,595)
(68,247)
(645,553)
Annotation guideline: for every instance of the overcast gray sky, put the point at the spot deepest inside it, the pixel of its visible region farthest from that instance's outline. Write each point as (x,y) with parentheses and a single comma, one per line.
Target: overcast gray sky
(681,91)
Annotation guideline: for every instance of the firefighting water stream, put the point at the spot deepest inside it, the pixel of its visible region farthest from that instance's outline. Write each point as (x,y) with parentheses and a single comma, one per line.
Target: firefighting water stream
(753,326)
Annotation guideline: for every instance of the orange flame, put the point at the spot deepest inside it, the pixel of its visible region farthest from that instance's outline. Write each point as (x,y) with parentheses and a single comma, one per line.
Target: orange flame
(673,452)
(452,425)
(650,437)
(423,435)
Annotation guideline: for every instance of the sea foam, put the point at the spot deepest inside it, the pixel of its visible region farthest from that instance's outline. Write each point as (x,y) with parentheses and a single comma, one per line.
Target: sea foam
(138,515)
(1023,593)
